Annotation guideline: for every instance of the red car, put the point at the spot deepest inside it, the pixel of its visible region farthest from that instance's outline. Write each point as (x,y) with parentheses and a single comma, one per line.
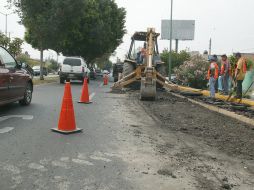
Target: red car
(15,82)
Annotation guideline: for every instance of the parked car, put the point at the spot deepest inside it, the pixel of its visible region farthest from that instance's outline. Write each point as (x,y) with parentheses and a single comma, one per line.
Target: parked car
(92,73)
(117,68)
(105,72)
(15,82)
(37,70)
(98,72)
(73,68)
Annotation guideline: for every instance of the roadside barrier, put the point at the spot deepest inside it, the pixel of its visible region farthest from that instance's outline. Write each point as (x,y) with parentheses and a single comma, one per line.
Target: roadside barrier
(67,123)
(84,99)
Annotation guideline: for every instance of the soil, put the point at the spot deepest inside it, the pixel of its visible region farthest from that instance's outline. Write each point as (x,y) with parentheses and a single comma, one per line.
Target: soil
(196,147)
(228,135)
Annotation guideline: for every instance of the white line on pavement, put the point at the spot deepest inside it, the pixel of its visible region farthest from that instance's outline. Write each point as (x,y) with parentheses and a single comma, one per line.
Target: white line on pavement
(6,130)
(25,117)
(101,84)
(92,95)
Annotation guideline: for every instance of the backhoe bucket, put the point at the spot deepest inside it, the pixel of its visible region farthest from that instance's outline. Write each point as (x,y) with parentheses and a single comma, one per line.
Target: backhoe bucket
(148,85)
(148,89)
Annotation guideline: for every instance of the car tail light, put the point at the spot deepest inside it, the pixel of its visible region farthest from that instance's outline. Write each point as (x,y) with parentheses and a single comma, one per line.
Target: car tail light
(83,69)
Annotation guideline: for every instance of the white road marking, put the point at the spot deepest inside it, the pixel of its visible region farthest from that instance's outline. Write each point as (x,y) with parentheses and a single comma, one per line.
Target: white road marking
(64,185)
(81,156)
(60,164)
(100,158)
(25,117)
(111,154)
(45,161)
(82,162)
(12,169)
(92,95)
(101,85)
(6,130)
(65,159)
(37,167)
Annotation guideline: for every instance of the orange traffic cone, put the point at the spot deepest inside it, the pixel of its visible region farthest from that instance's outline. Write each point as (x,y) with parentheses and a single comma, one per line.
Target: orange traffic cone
(84,99)
(105,80)
(67,123)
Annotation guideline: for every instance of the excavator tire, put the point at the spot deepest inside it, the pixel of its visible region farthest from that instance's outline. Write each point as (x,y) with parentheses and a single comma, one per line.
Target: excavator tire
(128,68)
(161,68)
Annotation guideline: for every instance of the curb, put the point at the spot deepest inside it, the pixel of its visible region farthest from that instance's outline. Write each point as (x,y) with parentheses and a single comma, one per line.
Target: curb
(218,96)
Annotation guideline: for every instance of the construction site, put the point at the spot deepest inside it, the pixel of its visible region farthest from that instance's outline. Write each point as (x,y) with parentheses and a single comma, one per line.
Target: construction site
(168,114)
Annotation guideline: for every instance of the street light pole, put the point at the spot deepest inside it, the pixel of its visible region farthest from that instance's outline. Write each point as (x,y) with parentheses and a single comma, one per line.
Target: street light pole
(6,21)
(170,46)
(6,24)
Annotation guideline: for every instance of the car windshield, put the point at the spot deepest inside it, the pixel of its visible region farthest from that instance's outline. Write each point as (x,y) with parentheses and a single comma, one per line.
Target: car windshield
(72,62)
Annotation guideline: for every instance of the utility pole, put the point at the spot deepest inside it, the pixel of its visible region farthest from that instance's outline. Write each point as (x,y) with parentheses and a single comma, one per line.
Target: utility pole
(170,44)
(177,42)
(210,46)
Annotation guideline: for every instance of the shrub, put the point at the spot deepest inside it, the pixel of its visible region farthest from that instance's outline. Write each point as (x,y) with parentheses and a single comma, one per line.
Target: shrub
(177,58)
(193,72)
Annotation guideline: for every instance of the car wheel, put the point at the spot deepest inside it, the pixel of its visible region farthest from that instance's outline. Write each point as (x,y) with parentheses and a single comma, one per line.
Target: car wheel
(62,80)
(28,95)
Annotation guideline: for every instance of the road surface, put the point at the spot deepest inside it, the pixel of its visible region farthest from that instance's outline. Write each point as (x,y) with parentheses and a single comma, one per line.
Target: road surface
(126,144)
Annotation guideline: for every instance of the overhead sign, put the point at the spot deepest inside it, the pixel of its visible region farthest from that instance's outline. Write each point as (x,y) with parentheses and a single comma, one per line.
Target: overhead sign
(182,29)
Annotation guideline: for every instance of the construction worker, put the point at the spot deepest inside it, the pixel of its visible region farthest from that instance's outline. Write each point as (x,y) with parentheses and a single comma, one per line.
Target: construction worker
(139,58)
(225,73)
(240,71)
(212,75)
(143,52)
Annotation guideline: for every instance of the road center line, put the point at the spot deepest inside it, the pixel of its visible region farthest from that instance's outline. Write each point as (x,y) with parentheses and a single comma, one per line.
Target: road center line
(92,95)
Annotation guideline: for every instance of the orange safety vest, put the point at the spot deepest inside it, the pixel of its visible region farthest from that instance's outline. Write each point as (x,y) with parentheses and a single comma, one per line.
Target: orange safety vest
(245,66)
(222,70)
(216,70)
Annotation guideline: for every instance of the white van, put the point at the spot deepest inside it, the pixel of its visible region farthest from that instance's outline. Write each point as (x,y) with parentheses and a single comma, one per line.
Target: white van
(73,68)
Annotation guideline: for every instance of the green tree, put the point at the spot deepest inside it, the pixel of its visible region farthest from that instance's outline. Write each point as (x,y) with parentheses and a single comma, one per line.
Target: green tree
(37,18)
(15,47)
(87,28)
(53,65)
(22,58)
(177,58)
(96,30)
(4,40)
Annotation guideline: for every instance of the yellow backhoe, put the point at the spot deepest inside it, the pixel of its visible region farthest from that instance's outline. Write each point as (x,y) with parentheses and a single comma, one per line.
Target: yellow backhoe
(145,70)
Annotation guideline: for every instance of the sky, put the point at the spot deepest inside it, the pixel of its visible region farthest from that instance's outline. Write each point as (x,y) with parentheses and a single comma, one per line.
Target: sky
(228,22)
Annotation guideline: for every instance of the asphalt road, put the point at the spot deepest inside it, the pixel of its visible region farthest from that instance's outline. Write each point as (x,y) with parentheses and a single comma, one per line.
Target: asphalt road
(122,147)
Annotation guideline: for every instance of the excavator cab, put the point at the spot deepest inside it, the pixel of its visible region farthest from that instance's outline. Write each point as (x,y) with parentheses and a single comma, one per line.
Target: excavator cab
(139,39)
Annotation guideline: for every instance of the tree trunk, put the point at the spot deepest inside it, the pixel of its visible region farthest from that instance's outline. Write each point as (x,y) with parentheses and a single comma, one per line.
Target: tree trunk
(41,67)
